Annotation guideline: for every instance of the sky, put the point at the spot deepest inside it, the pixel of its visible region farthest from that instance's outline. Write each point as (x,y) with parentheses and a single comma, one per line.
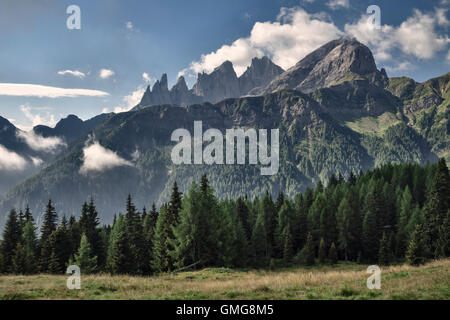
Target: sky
(48,71)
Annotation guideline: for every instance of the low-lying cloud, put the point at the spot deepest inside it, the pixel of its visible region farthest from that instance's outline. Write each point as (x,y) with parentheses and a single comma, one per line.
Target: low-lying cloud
(39,143)
(97,158)
(11,161)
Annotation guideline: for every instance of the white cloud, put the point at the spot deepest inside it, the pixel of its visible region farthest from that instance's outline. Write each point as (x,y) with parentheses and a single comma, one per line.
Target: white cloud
(416,36)
(11,161)
(106,73)
(74,73)
(293,35)
(147,78)
(40,91)
(447,59)
(441,16)
(39,143)
(37,119)
(131,100)
(337,4)
(402,66)
(36,161)
(129,25)
(97,158)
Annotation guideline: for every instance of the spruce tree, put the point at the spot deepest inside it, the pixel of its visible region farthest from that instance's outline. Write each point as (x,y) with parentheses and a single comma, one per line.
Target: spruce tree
(418,249)
(322,251)
(243,215)
(85,258)
(50,219)
(30,247)
(438,203)
(11,237)
(288,249)
(260,243)
(161,261)
(18,261)
(384,251)
(309,251)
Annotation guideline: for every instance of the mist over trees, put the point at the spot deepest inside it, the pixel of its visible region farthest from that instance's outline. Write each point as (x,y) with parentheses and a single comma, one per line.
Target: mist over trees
(386,215)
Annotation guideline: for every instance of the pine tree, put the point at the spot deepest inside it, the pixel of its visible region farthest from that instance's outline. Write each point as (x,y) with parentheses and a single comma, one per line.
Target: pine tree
(85,258)
(332,254)
(11,237)
(322,251)
(443,240)
(28,216)
(120,263)
(418,250)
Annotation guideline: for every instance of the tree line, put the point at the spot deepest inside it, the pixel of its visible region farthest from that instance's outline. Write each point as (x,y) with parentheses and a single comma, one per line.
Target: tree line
(387,215)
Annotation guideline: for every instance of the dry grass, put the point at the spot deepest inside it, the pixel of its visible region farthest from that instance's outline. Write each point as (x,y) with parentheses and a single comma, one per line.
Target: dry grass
(344,281)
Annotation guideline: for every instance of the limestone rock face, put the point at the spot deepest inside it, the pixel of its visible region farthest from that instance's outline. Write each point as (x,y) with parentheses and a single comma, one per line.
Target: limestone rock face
(258,74)
(222,83)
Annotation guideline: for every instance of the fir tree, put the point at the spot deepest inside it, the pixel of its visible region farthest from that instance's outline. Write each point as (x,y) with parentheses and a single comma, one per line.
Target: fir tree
(288,249)
(18,261)
(384,253)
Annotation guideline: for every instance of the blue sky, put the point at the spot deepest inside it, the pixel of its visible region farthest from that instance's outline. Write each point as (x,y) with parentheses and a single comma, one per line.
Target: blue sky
(130,38)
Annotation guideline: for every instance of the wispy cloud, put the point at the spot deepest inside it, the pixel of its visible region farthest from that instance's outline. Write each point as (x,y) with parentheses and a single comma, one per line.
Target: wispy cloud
(36,119)
(130,100)
(129,25)
(74,73)
(97,158)
(106,73)
(338,4)
(11,161)
(147,78)
(39,143)
(41,91)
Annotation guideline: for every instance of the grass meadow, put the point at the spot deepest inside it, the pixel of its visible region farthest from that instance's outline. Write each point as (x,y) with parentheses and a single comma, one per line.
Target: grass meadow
(342,281)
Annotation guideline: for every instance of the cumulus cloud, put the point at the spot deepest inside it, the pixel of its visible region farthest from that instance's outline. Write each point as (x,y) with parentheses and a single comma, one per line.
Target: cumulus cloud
(74,73)
(11,161)
(131,100)
(129,25)
(337,4)
(402,66)
(36,161)
(37,119)
(39,143)
(147,78)
(416,36)
(97,158)
(293,35)
(40,91)
(106,73)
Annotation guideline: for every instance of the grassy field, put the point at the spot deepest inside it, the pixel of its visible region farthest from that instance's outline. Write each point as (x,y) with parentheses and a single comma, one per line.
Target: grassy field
(343,281)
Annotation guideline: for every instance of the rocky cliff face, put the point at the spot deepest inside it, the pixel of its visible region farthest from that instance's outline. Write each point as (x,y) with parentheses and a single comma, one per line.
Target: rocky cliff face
(258,74)
(220,84)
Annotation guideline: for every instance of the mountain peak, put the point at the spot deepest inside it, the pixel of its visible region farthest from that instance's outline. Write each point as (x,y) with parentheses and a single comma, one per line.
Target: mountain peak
(335,61)
(260,72)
